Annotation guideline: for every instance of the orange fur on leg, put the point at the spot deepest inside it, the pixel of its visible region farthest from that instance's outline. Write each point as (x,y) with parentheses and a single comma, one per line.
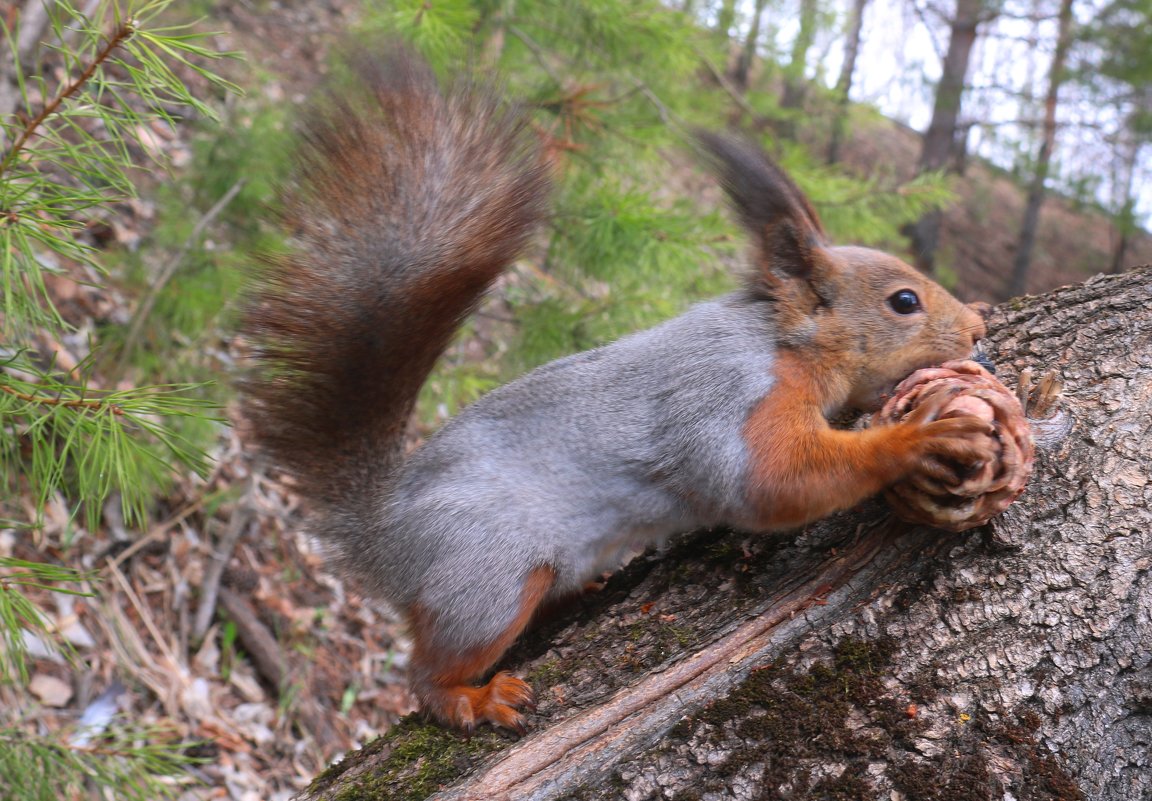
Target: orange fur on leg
(441,679)
(802,469)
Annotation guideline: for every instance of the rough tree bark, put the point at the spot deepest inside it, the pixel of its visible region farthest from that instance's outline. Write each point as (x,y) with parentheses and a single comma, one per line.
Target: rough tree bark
(863,658)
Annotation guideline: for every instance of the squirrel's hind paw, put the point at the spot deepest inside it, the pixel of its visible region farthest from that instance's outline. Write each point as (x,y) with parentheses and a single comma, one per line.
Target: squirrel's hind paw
(498,702)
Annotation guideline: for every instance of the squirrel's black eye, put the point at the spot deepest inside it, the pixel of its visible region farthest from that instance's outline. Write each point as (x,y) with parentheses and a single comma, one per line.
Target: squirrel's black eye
(904,302)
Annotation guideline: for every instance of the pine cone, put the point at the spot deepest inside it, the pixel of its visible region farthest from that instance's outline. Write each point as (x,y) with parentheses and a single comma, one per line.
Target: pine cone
(982,493)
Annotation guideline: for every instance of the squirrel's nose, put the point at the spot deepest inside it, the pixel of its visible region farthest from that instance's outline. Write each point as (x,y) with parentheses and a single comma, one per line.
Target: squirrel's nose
(981,308)
(980,312)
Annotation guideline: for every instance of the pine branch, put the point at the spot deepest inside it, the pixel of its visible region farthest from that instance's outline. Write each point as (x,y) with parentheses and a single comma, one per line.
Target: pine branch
(122,34)
(19,614)
(131,760)
(72,403)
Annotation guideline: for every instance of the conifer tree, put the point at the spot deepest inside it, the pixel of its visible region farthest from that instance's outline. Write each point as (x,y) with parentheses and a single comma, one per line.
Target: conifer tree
(844,82)
(68,144)
(742,70)
(795,85)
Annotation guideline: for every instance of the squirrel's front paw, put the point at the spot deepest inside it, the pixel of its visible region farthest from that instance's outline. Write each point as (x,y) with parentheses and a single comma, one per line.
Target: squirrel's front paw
(948,451)
(954,450)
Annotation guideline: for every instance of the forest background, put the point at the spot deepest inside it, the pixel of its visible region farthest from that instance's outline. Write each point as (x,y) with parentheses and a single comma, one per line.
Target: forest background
(165,629)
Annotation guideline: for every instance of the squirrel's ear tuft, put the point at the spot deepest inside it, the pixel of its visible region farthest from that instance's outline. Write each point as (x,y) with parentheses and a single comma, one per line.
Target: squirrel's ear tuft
(780,218)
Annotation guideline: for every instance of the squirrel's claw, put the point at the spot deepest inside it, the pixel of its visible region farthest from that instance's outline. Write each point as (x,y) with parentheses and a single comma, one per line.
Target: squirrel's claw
(506,695)
(498,703)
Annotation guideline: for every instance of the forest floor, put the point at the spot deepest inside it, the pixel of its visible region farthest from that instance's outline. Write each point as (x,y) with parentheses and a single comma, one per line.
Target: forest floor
(219,621)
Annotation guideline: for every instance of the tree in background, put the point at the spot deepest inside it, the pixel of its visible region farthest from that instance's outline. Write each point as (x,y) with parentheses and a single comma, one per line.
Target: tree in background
(725,17)
(1057,74)
(747,55)
(1130,143)
(844,82)
(1117,71)
(940,138)
(795,82)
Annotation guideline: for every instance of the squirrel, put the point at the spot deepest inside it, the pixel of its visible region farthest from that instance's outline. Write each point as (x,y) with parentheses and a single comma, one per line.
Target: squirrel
(408,200)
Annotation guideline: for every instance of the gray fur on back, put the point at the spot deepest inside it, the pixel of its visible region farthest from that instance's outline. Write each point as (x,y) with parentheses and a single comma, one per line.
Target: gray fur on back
(573,466)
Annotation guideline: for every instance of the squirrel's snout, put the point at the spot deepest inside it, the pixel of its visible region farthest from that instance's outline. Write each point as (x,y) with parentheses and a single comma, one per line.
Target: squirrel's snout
(978,331)
(974,324)
(981,308)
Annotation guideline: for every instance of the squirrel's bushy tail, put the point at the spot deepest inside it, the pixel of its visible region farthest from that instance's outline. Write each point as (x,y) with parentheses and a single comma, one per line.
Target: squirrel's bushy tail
(407,202)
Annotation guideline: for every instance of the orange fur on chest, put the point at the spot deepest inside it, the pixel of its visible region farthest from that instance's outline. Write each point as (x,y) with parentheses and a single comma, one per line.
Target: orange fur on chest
(801,469)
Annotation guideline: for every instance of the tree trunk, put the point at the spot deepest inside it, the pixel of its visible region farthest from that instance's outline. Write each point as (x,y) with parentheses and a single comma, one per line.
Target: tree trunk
(748,54)
(726,18)
(864,658)
(795,86)
(1121,251)
(938,147)
(1019,278)
(844,82)
(1126,218)
(497,30)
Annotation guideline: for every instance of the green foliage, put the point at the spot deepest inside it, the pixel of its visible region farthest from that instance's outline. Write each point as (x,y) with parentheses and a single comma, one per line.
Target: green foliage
(621,261)
(237,165)
(1083,190)
(129,759)
(615,85)
(1117,67)
(74,145)
(91,443)
(18,614)
(134,760)
(1122,38)
(81,128)
(443,28)
(72,149)
(867,212)
(454,386)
